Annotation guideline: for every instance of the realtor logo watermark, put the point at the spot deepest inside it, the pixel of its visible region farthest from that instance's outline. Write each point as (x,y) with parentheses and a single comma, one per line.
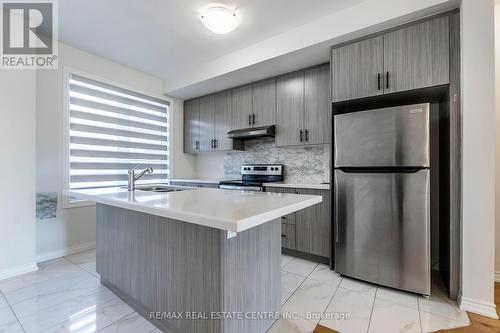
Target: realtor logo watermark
(29,35)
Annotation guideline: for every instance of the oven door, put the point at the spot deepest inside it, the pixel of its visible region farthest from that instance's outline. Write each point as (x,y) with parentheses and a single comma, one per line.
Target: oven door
(241,188)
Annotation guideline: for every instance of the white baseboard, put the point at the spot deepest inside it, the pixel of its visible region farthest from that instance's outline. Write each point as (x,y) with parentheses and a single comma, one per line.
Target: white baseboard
(479,307)
(18,270)
(65,252)
(497,276)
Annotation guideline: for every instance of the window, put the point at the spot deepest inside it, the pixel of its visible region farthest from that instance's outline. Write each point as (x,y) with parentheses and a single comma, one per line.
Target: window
(112,130)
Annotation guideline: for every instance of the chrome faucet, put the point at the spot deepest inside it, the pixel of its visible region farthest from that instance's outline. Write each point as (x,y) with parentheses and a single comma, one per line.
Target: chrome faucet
(132,177)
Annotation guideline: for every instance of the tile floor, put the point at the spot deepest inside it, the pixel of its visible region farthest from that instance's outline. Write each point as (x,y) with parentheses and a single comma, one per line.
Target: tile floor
(65,295)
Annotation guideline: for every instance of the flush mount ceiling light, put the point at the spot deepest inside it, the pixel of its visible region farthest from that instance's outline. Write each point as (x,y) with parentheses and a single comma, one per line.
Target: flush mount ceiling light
(220,20)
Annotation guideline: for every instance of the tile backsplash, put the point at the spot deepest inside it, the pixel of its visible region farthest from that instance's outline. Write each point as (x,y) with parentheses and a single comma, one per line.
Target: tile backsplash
(302,164)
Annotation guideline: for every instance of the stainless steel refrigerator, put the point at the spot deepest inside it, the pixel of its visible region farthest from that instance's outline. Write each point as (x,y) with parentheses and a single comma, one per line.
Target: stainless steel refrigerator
(382,196)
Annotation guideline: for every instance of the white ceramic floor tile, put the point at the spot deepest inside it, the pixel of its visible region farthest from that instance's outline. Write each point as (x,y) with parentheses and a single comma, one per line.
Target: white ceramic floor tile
(94,319)
(311,297)
(292,326)
(91,268)
(46,270)
(46,317)
(356,285)
(51,292)
(82,257)
(3,302)
(8,322)
(133,323)
(388,317)
(323,273)
(432,322)
(300,266)
(349,310)
(289,283)
(285,259)
(397,296)
(437,305)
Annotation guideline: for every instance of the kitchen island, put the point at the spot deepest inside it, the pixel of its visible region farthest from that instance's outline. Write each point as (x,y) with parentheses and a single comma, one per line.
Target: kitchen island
(197,260)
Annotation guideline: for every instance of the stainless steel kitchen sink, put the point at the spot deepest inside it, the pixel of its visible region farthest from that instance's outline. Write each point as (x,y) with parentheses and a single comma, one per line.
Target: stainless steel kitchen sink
(159,188)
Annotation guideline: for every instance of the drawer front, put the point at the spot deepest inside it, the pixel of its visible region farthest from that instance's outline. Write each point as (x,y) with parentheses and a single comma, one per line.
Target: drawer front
(288,236)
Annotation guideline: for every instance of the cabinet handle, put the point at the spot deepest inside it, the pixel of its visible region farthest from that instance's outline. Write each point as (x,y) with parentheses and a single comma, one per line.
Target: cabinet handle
(249,119)
(301,135)
(283,236)
(387,80)
(216,143)
(307,135)
(253,119)
(197,145)
(378,78)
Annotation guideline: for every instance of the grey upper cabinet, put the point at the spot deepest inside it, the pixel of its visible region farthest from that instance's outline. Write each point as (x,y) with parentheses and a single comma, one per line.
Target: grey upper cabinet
(206,123)
(317,105)
(357,69)
(417,56)
(313,226)
(303,108)
(290,110)
(264,103)
(242,107)
(191,126)
(222,120)
(413,57)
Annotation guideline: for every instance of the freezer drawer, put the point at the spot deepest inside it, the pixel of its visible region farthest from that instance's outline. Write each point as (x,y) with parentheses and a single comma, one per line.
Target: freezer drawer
(397,136)
(382,228)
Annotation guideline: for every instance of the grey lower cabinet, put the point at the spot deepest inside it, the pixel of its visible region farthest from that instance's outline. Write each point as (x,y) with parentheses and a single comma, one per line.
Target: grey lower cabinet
(413,57)
(308,230)
(192,126)
(303,108)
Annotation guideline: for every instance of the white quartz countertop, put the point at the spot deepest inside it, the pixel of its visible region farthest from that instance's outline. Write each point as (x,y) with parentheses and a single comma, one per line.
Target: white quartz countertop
(194,180)
(228,210)
(299,185)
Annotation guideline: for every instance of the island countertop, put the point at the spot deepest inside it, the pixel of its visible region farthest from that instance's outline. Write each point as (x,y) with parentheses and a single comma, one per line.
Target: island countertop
(228,210)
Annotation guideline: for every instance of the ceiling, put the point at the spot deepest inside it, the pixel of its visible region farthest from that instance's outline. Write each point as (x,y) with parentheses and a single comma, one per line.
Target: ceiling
(165,38)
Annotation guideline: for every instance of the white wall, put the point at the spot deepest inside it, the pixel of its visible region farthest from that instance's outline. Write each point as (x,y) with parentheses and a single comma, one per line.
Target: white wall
(17,168)
(74,229)
(478,107)
(497,147)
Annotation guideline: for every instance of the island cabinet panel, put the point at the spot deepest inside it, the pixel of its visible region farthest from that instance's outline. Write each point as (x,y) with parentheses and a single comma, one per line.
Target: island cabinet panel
(313,225)
(290,110)
(317,106)
(207,131)
(191,126)
(417,56)
(222,121)
(357,69)
(158,264)
(242,107)
(264,103)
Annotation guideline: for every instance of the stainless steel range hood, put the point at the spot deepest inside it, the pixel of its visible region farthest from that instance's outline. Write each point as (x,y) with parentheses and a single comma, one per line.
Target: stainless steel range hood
(252,133)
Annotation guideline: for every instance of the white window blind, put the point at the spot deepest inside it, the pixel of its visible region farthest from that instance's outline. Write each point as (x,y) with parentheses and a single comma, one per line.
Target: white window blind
(111,130)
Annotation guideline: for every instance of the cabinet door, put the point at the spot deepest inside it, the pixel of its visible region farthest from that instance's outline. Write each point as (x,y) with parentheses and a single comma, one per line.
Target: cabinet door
(264,103)
(313,225)
(241,107)
(206,123)
(417,56)
(290,110)
(191,126)
(317,110)
(222,120)
(290,218)
(288,236)
(356,68)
